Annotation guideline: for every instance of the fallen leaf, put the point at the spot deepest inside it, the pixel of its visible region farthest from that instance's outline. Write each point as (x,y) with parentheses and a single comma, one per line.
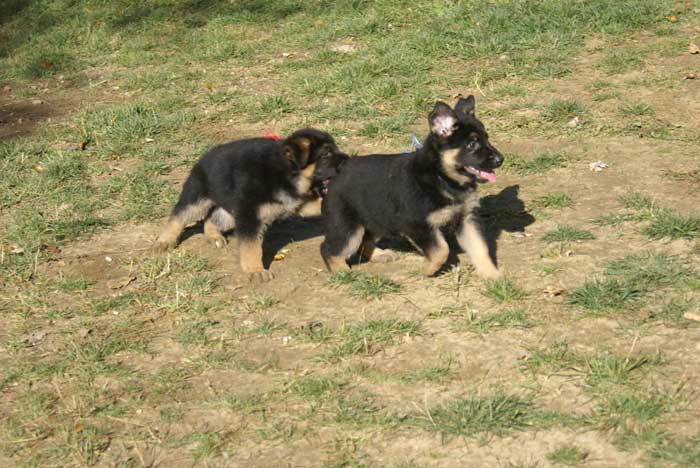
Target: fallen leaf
(36,102)
(573,123)
(553,291)
(672,18)
(288,54)
(83,145)
(79,427)
(39,168)
(693,49)
(120,282)
(690,76)
(52,249)
(692,316)
(597,166)
(46,64)
(279,256)
(17,250)
(83,332)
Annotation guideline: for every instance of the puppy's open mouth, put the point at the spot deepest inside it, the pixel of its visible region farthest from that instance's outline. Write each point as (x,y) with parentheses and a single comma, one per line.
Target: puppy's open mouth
(483,175)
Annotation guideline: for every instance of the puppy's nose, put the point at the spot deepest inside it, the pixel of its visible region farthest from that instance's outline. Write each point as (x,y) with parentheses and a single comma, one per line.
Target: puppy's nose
(496,159)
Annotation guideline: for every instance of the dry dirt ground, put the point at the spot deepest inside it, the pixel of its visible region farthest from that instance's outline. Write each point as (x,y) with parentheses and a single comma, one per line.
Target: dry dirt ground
(215,371)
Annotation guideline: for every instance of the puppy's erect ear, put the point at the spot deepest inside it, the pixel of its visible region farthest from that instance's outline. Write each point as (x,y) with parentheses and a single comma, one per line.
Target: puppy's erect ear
(442,120)
(296,151)
(465,106)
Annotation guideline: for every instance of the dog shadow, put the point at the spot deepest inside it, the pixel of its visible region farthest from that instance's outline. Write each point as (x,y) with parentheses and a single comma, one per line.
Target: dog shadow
(278,235)
(502,212)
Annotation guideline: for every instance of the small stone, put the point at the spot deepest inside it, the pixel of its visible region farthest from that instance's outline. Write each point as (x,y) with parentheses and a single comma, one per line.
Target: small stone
(108,259)
(36,102)
(573,123)
(120,282)
(690,76)
(693,49)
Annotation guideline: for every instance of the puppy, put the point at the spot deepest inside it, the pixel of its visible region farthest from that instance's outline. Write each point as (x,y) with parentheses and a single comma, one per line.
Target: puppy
(248,184)
(415,195)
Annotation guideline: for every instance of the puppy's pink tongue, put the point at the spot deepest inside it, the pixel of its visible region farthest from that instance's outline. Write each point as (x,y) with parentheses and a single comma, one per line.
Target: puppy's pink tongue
(489,176)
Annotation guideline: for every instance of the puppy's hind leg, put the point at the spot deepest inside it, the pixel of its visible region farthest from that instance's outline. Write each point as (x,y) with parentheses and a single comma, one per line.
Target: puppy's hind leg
(192,207)
(219,222)
(435,248)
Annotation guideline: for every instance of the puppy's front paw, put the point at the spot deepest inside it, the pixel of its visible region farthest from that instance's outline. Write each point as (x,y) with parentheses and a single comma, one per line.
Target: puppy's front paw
(217,240)
(163,245)
(489,273)
(260,276)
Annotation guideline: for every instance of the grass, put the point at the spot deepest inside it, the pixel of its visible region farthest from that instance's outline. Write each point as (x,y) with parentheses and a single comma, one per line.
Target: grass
(539,164)
(369,337)
(564,233)
(504,290)
(511,318)
(495,414)
(568,455)
(132,94)
(629,279)
(364,285)
(553,201)
(561,110)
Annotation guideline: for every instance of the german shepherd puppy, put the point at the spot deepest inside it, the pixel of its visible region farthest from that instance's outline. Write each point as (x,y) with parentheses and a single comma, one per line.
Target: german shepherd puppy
(416,194)
(248,184)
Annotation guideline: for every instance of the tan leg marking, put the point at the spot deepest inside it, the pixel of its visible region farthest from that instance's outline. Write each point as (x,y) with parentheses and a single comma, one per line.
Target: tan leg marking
(436,255)
(311,208)
(338,262)
(367,247)
(190,214)
(472,241)
(251,260)
(213,234)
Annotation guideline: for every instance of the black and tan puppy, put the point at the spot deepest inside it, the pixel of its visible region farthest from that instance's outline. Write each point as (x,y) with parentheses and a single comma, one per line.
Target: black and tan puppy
(416,195)
(248,184)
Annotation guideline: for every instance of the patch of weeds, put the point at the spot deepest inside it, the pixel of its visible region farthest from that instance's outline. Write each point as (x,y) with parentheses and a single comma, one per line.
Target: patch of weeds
(261,303)
(607,369)
(620,61)
(568,455)
(554,200)
(497,414)
(510,318)
(561,110)
(365,285)
(504,290)
(71,284)
(448,311)
(564,233)
(605,96)
(357,409)
(195,332)
(268,326)
(626,411)
(439,372)
(194,285)
(171,414)
(554,358)
(84,442)
(208,444)
(369,337)
(314,388)
(635,109)
(671,225)
(684,453)
(629,279)
(542,162)
(603,294)
(671,313)
(33,405)
(246,403)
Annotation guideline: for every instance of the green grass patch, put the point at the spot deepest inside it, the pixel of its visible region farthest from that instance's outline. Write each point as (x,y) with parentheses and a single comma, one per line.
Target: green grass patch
(568,455)
(367,338)
(364,285)
(511,318)
(635,109)
(495,414)
(504,290)
(561,111)
(539,164)
(564,233)
(554,201)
